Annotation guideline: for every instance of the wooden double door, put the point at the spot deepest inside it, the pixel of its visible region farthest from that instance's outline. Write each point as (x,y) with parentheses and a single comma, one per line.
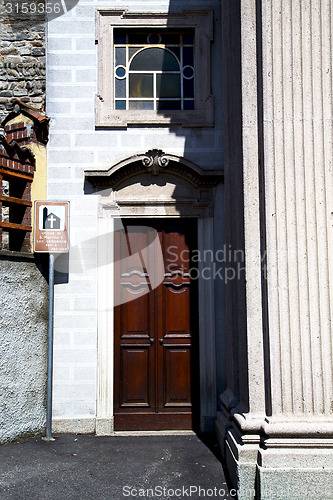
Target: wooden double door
(156,326)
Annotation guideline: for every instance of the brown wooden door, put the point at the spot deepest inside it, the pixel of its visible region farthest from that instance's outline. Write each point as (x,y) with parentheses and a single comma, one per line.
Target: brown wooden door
(155,327)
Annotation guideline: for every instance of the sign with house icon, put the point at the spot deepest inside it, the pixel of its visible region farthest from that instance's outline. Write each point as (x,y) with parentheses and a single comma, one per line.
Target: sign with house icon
(51,227)
(50,219)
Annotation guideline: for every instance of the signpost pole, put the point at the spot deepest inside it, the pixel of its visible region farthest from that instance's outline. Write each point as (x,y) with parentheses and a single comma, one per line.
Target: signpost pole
(50,350)
(51,235)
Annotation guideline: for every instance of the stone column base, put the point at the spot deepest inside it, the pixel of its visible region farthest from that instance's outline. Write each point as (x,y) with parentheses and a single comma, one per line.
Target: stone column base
(241,454)
(294,483)
(104,426)
(222,425)
(295,459)
(269,459)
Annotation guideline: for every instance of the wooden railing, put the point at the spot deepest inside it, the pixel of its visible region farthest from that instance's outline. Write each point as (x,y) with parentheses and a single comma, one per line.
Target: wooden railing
(15,223)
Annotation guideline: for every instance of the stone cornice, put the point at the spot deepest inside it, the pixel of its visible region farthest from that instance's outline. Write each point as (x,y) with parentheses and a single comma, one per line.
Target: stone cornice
(154,162)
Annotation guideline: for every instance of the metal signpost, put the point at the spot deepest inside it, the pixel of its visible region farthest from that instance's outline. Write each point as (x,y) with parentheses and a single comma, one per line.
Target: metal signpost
(51,235)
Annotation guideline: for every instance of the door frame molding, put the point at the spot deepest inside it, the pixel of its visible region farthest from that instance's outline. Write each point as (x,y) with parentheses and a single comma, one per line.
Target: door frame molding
(105,347)
(111,208)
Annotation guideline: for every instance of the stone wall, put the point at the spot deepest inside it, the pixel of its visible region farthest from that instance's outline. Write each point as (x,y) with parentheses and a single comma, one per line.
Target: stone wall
(77,145)
(22,61)
(23,347)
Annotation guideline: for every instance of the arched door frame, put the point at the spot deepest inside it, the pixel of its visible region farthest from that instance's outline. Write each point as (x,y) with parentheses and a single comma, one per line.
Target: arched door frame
(113,206)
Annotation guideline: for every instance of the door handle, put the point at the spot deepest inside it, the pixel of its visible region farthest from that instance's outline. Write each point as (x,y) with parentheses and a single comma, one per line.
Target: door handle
(161,341)
(152,340)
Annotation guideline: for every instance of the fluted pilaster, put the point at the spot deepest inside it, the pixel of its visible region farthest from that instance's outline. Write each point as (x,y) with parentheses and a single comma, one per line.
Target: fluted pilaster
(297,113)
(282,440)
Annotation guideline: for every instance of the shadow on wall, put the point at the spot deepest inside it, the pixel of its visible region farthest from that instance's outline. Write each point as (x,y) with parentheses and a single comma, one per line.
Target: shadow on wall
(225,94)
(200,86)
(237,384)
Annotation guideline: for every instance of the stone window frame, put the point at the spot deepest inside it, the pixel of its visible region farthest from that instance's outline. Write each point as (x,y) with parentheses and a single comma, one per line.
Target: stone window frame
(201,21)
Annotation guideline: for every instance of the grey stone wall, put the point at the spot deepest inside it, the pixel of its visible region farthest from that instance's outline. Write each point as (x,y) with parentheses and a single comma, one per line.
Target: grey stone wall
(22,60)
(23,347)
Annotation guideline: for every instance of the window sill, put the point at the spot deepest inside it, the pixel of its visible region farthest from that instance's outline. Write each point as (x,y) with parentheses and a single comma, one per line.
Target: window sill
(113,118)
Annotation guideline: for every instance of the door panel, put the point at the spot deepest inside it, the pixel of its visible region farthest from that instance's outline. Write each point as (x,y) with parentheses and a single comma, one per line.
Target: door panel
(177,368)
(156,333)
(134,359)
(175,327)
(177,309)
(135,375)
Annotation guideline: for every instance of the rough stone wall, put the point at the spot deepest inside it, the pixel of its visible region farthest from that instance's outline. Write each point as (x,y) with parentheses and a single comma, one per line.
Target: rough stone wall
(23,348)
(22,60)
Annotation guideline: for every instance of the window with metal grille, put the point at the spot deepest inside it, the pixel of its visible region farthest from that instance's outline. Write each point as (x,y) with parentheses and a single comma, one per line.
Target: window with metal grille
(154,70)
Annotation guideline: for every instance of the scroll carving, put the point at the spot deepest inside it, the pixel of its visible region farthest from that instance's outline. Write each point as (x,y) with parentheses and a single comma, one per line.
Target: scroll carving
(154,160)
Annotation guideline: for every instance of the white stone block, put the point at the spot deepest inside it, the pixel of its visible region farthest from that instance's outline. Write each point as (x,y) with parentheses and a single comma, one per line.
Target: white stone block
(84,220)
(61,373)
(59,43)
(75,391)
(76,355)
(58,106)
(65,191)
(59,141)
(85,373)
(71,59)
(84,11)
(63,409)
(84,338)
(69,123)
(74,91)
(59,76)
(128,139)
(164,141)
(82,303)
(86,204)
(109,158)
(84,408)
(85,44)
(75,321)
(70,157)
(67,26)
(86,76)
(63,304)
(97,140)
